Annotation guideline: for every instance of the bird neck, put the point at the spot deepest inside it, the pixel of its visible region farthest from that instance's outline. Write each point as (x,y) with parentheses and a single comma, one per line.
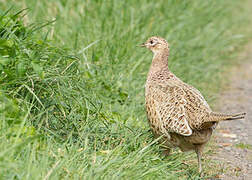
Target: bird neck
(160,60)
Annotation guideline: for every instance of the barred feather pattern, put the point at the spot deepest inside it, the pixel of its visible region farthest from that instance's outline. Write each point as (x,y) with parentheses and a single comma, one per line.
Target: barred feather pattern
(176,110)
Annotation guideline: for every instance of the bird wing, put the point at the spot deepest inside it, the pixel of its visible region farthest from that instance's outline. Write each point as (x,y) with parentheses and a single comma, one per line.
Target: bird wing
(180,108)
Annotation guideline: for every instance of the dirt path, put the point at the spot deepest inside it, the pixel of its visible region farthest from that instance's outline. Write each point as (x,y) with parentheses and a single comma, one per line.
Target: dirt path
(234,138)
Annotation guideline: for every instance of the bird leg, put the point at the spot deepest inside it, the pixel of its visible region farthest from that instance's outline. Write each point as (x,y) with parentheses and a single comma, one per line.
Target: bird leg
(166,152)
(198,149)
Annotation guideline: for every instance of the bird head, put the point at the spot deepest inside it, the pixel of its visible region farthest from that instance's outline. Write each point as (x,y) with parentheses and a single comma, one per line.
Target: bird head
(156,44)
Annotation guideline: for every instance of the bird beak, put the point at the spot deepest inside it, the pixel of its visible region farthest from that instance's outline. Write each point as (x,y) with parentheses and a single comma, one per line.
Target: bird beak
(142,45)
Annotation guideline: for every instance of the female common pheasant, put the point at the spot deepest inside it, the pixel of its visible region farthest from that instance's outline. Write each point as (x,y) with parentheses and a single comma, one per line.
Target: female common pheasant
(175,110)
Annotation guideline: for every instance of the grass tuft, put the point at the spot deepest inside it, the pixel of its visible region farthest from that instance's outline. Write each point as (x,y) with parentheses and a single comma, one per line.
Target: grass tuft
(72,83)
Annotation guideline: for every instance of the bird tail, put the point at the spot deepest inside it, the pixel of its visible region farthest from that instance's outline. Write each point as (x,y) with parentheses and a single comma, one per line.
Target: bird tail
(216,117)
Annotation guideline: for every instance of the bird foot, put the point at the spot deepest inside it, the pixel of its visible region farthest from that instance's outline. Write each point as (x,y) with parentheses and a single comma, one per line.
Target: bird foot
(201,174)
(166,152)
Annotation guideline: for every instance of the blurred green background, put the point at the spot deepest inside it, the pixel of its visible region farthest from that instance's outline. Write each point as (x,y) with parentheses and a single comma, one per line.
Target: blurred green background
(72,82)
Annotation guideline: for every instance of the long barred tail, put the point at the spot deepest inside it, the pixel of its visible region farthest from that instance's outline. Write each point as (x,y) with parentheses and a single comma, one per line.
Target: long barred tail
(216,117)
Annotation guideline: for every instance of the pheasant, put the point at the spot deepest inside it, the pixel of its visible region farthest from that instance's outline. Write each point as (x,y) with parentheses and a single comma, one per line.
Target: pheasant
(177,113)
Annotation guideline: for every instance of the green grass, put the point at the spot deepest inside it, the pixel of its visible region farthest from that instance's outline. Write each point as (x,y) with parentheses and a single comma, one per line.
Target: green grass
(72,90)
(243,146)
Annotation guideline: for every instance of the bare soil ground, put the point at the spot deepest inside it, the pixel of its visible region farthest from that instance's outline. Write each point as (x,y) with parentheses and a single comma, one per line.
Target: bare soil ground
(234,138)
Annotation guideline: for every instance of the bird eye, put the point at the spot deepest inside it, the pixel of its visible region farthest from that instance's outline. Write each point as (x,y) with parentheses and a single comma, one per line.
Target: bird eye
(151,42)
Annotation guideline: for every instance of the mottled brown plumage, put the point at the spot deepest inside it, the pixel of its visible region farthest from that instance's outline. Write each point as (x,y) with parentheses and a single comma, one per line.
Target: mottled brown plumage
(176,110)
